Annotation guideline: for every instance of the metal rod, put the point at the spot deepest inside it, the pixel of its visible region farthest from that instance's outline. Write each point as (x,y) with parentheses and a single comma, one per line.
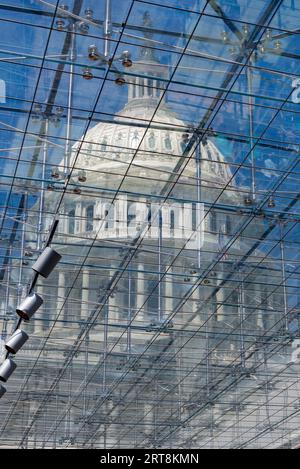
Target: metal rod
(283,272)
(107,28)
(198,212)
(42,197)
(129,313)
(24,218)
(251,130)
(241,317)
(160,312)
(72,57)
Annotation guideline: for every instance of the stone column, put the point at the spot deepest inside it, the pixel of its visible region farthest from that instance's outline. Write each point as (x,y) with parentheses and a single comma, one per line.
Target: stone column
(61,291)
(169,293)
(140,293)
(195,306)
(221,297)
(84,311)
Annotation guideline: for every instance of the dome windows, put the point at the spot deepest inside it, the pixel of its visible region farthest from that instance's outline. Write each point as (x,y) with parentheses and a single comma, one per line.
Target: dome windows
(152,141)
(71,221)
(103,145)
(90,218)
(168,143)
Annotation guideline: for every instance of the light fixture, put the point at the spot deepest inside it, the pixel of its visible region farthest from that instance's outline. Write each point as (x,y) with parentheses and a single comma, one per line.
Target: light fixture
(6,369)
(261,48)
(77,190)
(82,176)
(84,28)
(93,53)
(2,391)
(248,200)
(120,80)
(55,173)
(37,108)
(29,306)
(16,341)
(268,34)
(277,45)
(224,36)
(271,203)
(245,30)
(59,111)
(46,262)
(89,14)
(87,74)
(126,59)
(60,24)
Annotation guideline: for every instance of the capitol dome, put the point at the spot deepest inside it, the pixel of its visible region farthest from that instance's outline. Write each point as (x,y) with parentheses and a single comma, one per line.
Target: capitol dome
(109,147)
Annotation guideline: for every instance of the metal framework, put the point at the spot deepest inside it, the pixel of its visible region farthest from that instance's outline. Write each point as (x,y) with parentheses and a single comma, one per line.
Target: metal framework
(143,340)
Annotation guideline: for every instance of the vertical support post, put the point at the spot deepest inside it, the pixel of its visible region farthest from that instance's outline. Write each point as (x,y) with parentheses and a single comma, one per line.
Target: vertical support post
(39,315)
(85,294)
(140,290)
(61,291)
(241,302)
(107,28)
(113,312)
(160,311)
(72,58)
(198,212)
(169,292)
(129,314)
(251,129)
(283,273)
(24,218)
(43,177)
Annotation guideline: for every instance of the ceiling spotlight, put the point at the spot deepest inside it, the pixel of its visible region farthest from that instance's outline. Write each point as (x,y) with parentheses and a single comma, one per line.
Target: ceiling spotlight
(87,74)
(248,200)
(29,306)
(84,28)
(46,262)
(93,53)
(6,369)
(37,108)
(268,34)
(261,48)
(271,202)
(77,190)
(16,341)
(126,59)
(59,111)
(55,173)
(245,30)
(2,391)
(277,45)
(120,80)
(89,14)
(82,176)
(233,51)
(60,25)
(224,36)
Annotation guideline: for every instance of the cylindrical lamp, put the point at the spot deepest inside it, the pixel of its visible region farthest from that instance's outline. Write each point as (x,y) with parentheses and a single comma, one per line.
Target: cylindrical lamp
(46,262)
(16,341)
(2,391)
(29,306)
(6,369)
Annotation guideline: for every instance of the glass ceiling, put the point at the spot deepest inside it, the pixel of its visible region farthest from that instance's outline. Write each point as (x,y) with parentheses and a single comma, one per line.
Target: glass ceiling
(163,135)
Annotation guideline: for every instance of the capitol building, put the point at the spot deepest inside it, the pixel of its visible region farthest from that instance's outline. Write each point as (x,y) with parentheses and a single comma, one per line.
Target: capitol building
(159,333)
